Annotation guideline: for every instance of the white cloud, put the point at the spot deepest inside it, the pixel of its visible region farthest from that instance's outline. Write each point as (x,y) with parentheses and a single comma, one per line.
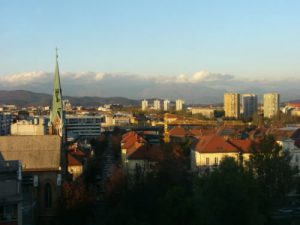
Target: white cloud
(132,85)
(23,78)
(198,77)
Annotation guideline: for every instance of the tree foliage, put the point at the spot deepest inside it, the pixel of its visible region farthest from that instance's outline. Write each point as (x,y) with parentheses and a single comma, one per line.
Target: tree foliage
(228,195)
(270,165)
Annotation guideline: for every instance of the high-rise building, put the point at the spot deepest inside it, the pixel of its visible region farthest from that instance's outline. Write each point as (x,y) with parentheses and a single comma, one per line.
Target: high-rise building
(156,104)
(144,105)
(249,105)
(166,105)
(271,104)
(179,104)
(232,105)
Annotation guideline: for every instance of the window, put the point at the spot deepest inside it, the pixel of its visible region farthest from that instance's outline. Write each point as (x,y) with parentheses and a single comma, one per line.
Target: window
(207,161)
(216,161)
(8,213)
(48,196)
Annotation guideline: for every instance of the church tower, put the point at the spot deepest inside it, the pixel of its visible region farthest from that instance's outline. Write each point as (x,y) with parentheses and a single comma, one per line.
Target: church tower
(56,113)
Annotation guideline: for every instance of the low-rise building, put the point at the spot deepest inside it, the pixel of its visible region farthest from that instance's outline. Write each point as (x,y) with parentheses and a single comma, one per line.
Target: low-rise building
(138,157)
(37,126)
(43,166)
(207,112)
(75,166)
(210,150)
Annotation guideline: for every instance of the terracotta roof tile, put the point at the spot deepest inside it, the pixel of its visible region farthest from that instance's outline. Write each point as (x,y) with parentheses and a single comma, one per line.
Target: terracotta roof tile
(178,131)
(72,161)
(218,144)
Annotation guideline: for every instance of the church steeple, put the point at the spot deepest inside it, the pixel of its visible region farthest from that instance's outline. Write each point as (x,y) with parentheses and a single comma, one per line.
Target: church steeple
(56,114)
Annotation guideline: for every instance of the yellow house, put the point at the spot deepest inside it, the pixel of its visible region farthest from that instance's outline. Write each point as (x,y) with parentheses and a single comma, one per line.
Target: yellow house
(209,151)
(75,167)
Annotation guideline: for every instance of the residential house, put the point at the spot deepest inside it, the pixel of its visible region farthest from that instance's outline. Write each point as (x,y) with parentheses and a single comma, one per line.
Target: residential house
(209,151)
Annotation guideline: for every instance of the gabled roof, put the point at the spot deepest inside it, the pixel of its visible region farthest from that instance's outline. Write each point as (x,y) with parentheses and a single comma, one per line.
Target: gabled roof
(78,153)
(243,145)
(178,132)
(195,132)
(40,153)
(145,152)
(72,161)
(280,133)
(218,144)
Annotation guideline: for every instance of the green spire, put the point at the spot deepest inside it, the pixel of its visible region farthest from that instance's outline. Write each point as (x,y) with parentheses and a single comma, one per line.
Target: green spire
(56,114)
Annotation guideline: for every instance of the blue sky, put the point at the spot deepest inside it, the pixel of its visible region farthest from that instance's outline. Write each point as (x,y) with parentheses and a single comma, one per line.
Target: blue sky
(152,37)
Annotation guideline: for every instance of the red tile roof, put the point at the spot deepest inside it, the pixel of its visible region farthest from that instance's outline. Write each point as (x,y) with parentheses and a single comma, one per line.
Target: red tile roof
(241,144)
(195,132)
(178,132)
(138,148)
(145,152)
(72,161)
(218,144)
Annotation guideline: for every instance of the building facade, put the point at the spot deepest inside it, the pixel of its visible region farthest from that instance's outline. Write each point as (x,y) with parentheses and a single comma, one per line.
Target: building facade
(144,105)
(37,126)
(11,192)
(207,112)
(249,105)
(82,125)
(179,105)
(232,105)
(166,105)
(271,104)
(42,170)
(156,105)
(210,150)
(5,123)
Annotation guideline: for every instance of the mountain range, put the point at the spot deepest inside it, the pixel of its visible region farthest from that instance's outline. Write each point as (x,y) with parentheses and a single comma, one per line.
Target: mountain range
(24,98)
(199,88)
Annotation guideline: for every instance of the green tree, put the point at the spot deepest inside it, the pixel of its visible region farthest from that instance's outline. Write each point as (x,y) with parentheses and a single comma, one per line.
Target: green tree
(228,195)
(270,165)
(175,207)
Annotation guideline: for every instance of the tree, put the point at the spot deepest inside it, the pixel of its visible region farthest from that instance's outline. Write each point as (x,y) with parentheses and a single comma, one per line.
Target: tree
(175,207)
(270,165)
(76,203)
(228,195)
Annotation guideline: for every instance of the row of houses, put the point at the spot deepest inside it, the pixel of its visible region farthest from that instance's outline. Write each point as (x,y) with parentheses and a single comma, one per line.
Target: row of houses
(207,150)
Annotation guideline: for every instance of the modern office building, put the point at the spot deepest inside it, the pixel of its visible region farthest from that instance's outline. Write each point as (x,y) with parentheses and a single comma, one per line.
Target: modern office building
(156,105)
(249,102)
(179,104)
(271,104)
(166,105)
(78,125)
(232,105)
(144,105)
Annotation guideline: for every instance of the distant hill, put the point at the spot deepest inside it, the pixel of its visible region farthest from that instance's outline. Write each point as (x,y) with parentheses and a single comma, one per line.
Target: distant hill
(28,98)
